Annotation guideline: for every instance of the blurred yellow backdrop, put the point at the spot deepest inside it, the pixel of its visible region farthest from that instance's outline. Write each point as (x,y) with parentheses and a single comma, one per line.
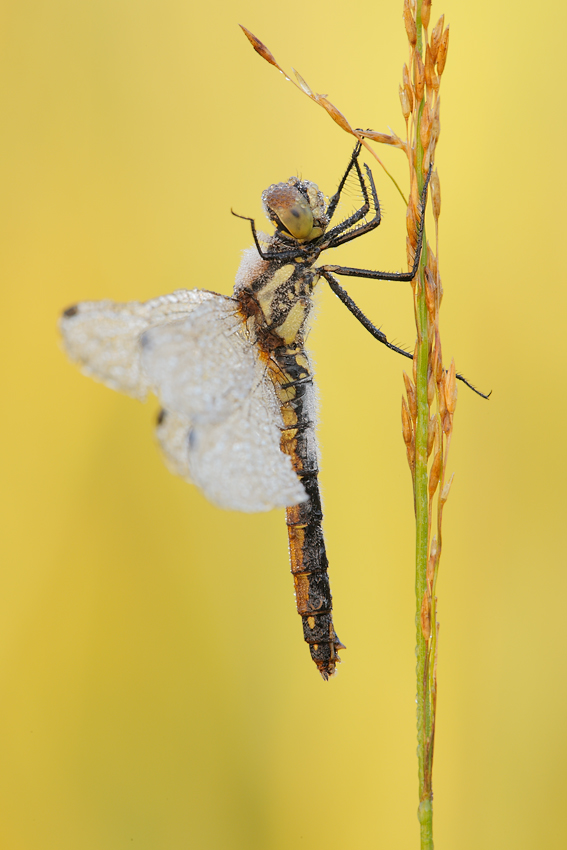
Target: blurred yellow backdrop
(156,692)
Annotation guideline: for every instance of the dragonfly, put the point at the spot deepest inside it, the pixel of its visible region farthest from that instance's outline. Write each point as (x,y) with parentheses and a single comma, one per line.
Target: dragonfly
(238,409)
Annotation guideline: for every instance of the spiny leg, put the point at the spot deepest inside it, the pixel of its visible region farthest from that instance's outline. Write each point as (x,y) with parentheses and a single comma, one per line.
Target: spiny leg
(374,222)
(333,237)
(376,332)
(375,275)
(336,197)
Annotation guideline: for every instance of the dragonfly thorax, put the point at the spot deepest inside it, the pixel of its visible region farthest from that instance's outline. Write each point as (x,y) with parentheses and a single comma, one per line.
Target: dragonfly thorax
(278,300)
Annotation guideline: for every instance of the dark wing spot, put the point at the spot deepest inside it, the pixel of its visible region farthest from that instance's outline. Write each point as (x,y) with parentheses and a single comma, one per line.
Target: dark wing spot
(161,416)
(70,311)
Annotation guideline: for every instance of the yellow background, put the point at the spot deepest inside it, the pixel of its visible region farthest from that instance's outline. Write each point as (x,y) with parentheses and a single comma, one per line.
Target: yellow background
(156,692)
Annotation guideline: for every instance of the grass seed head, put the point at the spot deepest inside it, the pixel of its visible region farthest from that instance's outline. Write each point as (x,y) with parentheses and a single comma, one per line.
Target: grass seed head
(425,616)
(425,13)
(436,36)
(445,492)
(425,126)
(442,403)
(435,189)
(409,23)
(412,399)
(451,388)
(430,387)
(434,360)
(407,429)
(430,299)
(405,102)
(435,473)
(419,76)
(435,126)
(431,78)
(440,372)
(411,228)
(431,432)
(442,54)
(431,260)
(410,454)
(432,563)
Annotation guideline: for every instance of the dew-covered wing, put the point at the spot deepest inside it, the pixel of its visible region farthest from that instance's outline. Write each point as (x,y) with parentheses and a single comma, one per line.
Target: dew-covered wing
(103,337)
(221,425)
(172,431)
(238,462)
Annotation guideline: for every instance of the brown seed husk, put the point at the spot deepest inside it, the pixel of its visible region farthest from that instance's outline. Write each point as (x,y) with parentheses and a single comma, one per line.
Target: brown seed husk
(431,432)
(425,13)
(405,102)
(451,388)
(430,386)
(383,138)
(436,36)
(432,262)
(425,126)
(409,23)
(442,54)
(439,375)
(335,114)
(431,79)
(407,429)
(431,561)
(411,394)
(261,48)
(429,292)
(446,489)
(410,454)
(435,473)
(419,75)
(425,616)
(435,189)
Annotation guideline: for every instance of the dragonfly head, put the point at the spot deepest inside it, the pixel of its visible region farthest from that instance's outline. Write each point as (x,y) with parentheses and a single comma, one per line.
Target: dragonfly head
(296,208)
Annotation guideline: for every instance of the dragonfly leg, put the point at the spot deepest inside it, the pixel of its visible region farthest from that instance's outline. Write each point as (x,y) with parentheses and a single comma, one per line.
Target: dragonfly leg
(376,275)
(376,332)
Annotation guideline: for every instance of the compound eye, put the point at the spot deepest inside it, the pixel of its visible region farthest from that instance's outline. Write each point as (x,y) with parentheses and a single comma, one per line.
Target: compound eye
(297,219)
(292,209)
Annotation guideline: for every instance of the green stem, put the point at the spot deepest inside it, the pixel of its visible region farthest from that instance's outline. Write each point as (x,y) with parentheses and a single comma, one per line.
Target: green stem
(425,716)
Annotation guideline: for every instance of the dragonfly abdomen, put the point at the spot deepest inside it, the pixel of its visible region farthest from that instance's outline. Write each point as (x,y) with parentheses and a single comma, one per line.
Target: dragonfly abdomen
(309,564)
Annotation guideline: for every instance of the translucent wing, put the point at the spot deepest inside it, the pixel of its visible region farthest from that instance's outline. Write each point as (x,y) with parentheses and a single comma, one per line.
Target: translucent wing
(172,432)
(103,337)
(237,463)
(221,426)
(203,365)
(222,422)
